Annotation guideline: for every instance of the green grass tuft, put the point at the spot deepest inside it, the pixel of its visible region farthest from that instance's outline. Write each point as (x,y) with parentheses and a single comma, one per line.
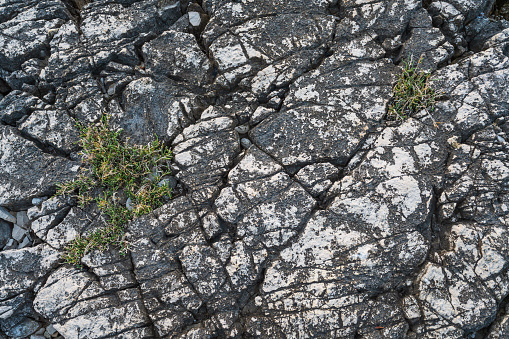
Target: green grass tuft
(113,173)
(412,92)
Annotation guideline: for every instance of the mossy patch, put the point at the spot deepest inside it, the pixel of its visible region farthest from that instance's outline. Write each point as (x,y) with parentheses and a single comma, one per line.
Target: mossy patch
(124,181)
(412,92)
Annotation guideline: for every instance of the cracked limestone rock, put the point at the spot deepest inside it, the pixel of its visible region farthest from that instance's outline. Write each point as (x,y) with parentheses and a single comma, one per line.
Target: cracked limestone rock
(298,210)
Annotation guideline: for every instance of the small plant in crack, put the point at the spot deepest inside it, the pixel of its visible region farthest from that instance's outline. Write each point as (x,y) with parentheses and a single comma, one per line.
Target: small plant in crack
(124,181)
(412,92)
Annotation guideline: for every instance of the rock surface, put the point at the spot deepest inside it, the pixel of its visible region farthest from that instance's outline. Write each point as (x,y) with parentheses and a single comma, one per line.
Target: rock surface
(300,212)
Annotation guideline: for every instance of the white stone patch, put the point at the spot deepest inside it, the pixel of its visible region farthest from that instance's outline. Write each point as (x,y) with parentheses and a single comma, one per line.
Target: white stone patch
(424,153)
(369,211)
(250,164)
(227,54)
(496,169)
(404,192)
(262,81)
(403,162)
(319,241)
(63,288)
(208,126)
(307,93)
(228,205)
(240,266)
(236,73)
(364,255)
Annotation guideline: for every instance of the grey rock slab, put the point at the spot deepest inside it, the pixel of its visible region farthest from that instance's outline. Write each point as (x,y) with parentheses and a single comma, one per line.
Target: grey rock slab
(204,152)
(10,306)
(59,233)
(153,108)
(53,299)
(487,33)
(16,105)
(471,9)
(24,329)
(21,219)
(42,225)
(113,269)
(268,39)
(106,30)
(171,294)
(340,321)
(478,243)
(409,240)
(229,14)
(259,193)
(26,77)
(18,233)
(5,233)
(429,45)
(187,62)
(367,239)
(499,329)
(17,318)
(28,27)
(105,321)
(47,207)
(378,15)
(75,304)
(26,171)
(21,269)
(281,73)
(52,127)
(260,114)
(51,329)
(6,215)
(342,106)
(317,178)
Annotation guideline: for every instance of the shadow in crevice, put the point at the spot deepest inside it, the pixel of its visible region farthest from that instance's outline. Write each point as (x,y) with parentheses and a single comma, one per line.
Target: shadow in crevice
(500,10)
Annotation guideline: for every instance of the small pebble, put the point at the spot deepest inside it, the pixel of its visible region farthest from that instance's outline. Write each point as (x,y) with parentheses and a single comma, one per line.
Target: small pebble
(171,182)
(38,201)
(242,129)
(18,233)
(6,215)
(129,204)
(246,143)
(194,19)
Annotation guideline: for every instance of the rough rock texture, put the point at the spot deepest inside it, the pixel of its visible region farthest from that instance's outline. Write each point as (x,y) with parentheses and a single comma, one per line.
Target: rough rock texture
(301,212)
